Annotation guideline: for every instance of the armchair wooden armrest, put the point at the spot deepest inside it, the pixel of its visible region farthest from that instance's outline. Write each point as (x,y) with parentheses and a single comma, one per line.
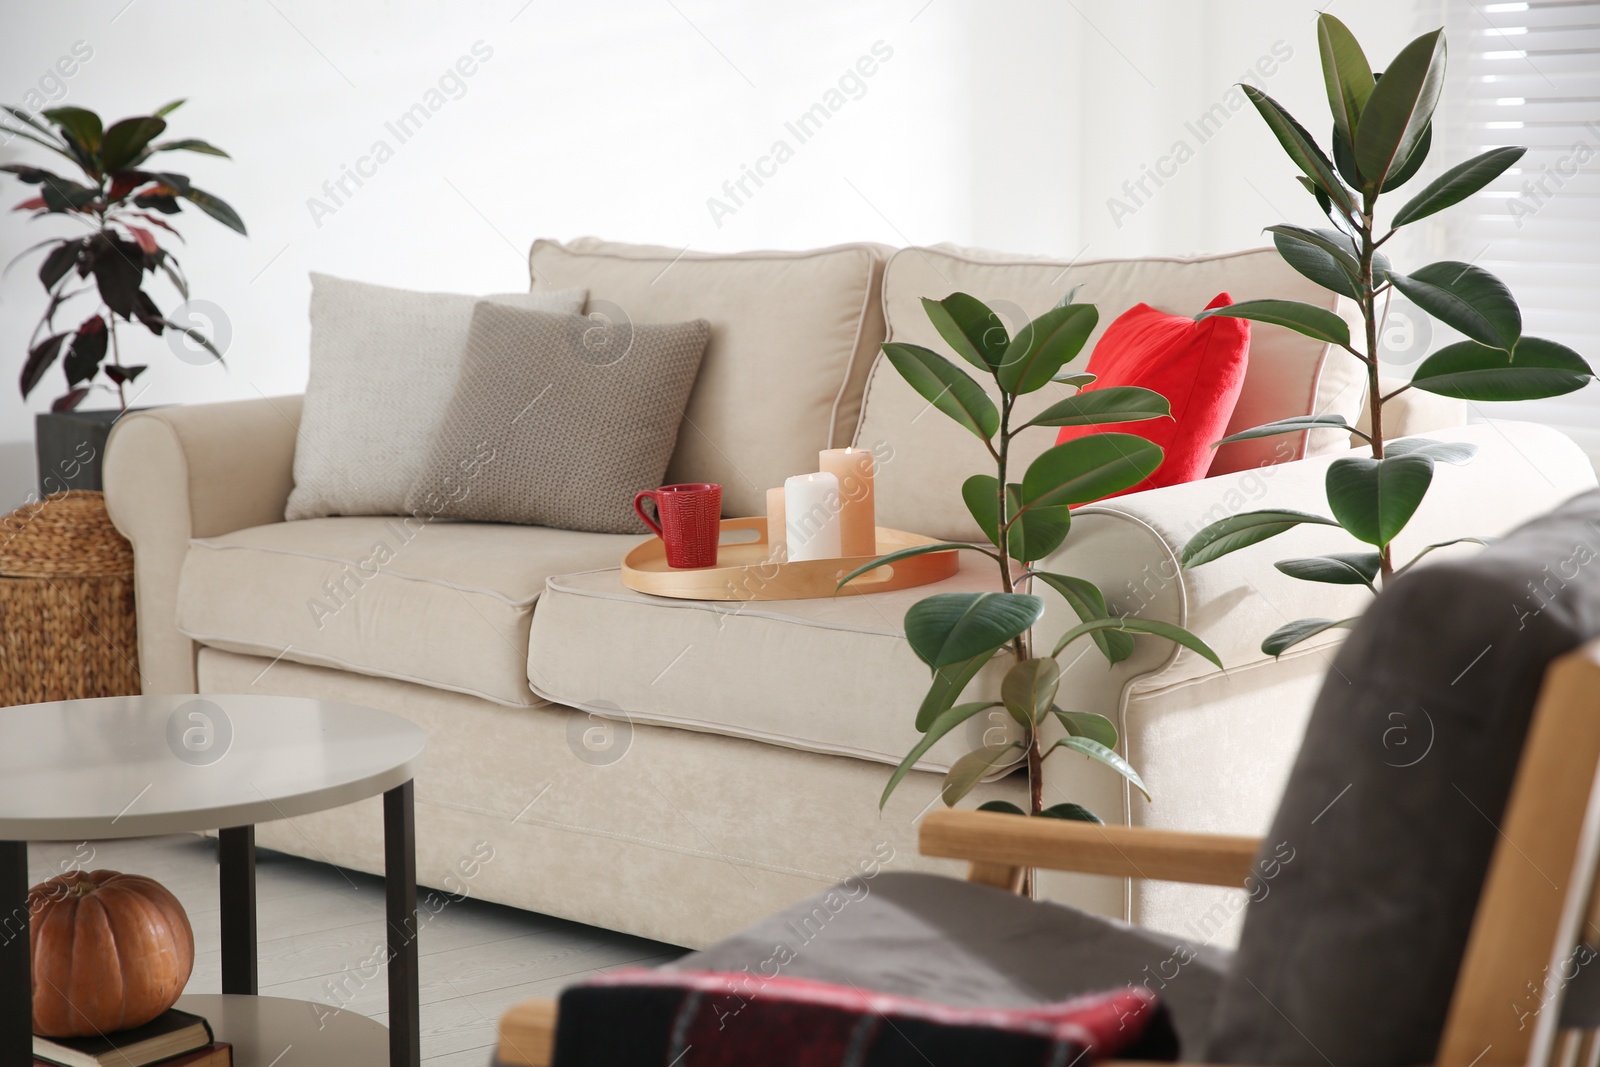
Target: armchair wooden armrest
(1000,846)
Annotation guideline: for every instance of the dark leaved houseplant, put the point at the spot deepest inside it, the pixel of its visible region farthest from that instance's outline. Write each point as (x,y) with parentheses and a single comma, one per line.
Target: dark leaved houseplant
(118,199)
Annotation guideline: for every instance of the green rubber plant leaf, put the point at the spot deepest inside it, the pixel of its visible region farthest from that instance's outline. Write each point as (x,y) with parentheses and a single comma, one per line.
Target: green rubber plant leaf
(1467,298)
(1071,812)
(1336,568)
(1413,163)
(974,332)
(1078,379)
(1435,547)
(1346,73)
(942,724)
(1294,424)
(1470,371)
(947,628)
(1344,159)
(1373,499)
(1458,183)
(1085,598)
(1312,259)
(168,108)
(1319,323)
(1242,530)
(1096,751)
(215,207)
(1176,634)
(1290,634)
(945,386)
(124,141)
(1088,468)
(1400,108)
(1029,689)
(1037,531)
(906,553)
(948,683)
(974,767)
(1301,148)
(1003,806)
(1044,346)
(1455,453)
(1105,407)
(1088,724)
(981,492)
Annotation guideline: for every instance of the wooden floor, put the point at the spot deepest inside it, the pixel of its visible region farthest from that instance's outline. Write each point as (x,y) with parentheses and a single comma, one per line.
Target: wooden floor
(322,934)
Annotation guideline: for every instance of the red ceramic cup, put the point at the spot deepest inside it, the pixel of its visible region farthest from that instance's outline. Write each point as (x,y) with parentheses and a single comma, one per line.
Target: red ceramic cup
(691,521)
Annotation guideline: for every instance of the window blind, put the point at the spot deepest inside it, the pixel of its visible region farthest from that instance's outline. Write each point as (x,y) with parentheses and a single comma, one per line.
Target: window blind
(1528,73)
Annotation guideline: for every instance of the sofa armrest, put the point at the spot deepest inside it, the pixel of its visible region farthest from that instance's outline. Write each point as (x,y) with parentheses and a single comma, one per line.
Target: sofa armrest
(1215,745)
(195,471)
(1131,545)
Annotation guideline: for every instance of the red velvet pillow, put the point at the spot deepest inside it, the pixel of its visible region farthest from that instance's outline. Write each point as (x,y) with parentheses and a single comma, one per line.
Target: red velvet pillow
(1198,366)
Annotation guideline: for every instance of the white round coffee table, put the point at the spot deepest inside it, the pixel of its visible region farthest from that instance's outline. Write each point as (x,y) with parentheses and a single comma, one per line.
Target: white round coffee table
(139,766)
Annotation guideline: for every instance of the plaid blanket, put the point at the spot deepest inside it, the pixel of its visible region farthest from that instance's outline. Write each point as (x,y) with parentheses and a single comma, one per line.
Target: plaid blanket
(642,1018)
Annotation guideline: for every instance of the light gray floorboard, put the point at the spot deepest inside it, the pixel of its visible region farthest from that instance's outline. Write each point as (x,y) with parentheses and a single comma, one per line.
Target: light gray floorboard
(319,925)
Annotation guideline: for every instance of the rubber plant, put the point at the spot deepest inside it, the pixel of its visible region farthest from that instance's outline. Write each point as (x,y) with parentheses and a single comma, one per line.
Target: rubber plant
(957,634)
(120,200)
(1382,130)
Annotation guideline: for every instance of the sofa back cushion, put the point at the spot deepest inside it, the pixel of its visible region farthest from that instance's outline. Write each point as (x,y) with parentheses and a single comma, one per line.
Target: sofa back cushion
(792,337)
(928,456)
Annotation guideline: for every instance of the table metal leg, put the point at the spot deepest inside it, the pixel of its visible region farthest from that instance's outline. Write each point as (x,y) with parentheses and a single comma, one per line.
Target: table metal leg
(16,969)
(405,1027)
(400,889)
(236,853)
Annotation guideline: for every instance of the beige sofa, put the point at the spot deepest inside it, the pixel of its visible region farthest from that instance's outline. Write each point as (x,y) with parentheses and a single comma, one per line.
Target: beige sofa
(679,769)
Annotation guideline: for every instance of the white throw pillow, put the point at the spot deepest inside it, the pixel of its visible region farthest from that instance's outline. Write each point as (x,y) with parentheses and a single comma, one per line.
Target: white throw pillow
(384,364)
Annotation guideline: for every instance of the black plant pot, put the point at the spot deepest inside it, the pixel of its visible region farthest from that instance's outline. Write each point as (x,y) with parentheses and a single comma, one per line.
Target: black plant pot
(71,447)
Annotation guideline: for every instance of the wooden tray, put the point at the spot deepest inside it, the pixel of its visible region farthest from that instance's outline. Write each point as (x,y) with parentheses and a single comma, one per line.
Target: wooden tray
(743,573)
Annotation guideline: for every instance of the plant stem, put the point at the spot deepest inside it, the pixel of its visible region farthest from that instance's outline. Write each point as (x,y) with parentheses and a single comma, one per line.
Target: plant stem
(1023,646)
(1002,525)
(1369,315)
(116,359)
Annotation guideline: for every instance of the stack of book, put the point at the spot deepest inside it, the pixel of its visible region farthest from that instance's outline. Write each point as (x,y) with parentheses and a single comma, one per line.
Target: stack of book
(174,1039)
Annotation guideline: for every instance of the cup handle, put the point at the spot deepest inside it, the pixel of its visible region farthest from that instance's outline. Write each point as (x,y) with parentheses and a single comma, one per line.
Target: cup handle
(638,507)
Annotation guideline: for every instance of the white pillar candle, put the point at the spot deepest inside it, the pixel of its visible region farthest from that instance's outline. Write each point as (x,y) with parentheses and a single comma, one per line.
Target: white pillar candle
(777,536)
(858,533)
(811,515)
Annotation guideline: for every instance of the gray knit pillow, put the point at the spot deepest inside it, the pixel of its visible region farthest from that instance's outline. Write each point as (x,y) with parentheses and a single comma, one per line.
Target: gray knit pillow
(383,363)
(558,420)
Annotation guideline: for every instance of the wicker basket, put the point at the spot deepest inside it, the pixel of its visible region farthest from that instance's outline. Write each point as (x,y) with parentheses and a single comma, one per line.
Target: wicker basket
(66,603)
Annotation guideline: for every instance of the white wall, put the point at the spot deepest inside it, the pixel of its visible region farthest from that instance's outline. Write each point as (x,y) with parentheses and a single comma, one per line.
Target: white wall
(1001,124)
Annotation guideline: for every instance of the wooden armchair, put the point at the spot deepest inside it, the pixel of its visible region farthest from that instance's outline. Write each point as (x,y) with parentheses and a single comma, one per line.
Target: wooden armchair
(1550,836)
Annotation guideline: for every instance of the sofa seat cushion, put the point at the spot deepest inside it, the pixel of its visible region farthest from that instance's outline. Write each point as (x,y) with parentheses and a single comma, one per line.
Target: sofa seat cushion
(829,675)
(971,946)
(442,604)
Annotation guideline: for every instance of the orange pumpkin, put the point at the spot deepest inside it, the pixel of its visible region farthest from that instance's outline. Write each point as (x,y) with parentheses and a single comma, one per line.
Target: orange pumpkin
(110,951)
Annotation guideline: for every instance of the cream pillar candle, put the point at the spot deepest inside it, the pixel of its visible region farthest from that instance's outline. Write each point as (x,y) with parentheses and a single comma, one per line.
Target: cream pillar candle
(811,516)
(858,533)
(777,536)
